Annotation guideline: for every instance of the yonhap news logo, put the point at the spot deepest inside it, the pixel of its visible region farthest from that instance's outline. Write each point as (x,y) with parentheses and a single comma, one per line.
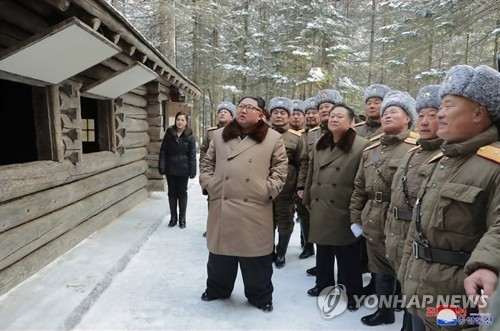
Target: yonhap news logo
(332,301)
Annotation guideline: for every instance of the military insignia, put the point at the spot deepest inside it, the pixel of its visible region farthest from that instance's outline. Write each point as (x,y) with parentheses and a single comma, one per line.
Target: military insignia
(297,133)
(414,148)
(411,141)
(324,95)
(280,102)
(376,137)
(490,152)
(436,157)
(372,146)
(450,78)
(374,89)
(359,124)
(315,128)
(426,95)
(414,135)
(212,128)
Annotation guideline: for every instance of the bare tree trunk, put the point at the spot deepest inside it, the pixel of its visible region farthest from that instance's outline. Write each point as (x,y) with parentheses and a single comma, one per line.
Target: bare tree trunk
(246,33)
(385,34)
(168,9)
(372,42)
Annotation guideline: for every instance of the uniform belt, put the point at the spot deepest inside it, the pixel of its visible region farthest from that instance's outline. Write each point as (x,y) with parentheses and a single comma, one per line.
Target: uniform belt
(379,196)
(428,254)
(401,214)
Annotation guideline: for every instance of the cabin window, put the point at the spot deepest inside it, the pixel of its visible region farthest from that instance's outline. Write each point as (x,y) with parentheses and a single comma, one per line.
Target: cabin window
(97,131)
(17,124)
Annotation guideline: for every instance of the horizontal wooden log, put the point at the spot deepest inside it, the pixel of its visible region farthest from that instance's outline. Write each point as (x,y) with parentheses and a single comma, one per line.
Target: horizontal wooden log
(154,147)
(134,100)
(155,185)
(11,11)
(153,173)
(35,261)
(154,109)
(135,125)
(155,133)
(27,208)
(135,139)
(155,121)
(27,178)
(132,111)
(113,64)
(22,240)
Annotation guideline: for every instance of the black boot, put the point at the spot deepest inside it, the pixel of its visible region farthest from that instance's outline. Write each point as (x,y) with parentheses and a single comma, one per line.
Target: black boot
(172,202)
(308,247)
(283,240)
(407,324)
(182,211)
(370,288)
(384,285)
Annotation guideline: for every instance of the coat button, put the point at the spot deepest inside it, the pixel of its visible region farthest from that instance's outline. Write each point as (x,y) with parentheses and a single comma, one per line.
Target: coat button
(441,167)
(247,180)
(319,184)
(316,199)
(245,200)
(225,198)
(334,185)
(227,178)
(410,276)
(370,221)
(332,202)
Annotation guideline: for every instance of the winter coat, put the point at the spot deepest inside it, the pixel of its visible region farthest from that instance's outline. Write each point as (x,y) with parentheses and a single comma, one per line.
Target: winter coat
(206,142)
(460,212)
(369,128)
(329,185)
(371,197)
(242,177)
(413,169)
(178,154)
(310,138)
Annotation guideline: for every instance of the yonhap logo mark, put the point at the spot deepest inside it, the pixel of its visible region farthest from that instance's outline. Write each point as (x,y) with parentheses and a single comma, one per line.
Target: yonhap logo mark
(332,301)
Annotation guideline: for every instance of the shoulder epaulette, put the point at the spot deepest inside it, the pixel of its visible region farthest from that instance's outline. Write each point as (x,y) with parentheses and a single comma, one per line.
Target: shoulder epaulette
(212,128)
(414,135)
(411,140)
(376,137)
(297,133)
(413,148)
(436,157)
(359,124)
(302,130)
(315,128)
(372,146)
(489,152)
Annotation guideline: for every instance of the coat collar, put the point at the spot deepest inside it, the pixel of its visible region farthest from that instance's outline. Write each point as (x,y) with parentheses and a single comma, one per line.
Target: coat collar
(172,131)
(472,145)
(233,130)
(345,142)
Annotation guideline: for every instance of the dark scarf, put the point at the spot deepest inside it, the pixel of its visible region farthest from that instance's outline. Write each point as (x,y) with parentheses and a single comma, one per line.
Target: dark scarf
(258,132)
(345,142)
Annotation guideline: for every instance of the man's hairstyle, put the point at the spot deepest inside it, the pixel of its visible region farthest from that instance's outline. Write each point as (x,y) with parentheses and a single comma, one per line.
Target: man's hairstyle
(350,111)
(260,102)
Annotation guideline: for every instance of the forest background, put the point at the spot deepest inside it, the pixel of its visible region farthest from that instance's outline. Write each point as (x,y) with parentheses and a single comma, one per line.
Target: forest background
(294,48)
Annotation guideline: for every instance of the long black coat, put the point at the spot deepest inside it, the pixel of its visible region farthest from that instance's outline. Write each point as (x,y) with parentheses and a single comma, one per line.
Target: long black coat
(178,154)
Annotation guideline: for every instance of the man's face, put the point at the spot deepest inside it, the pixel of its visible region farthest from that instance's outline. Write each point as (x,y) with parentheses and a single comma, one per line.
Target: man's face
(297,120)
(312,118)
(324,111)
(456,117)
(339,121)
(224,116)
(372,108)
(279,117)
(395,120)
(248,113)
(428,123)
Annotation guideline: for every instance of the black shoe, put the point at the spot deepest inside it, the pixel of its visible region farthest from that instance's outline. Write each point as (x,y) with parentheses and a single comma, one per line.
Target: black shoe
(381,316)
(280,261)
(351,305)
(308,251)
(172,223)
(407,324)
(265,307)
(204,234)
(370,288)
(182,223)
(315,291)
(207,297)
(311,271)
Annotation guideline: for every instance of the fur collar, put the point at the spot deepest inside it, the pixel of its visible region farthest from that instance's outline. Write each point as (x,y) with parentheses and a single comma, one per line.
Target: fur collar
(172,131)
(257,133)
(345,142)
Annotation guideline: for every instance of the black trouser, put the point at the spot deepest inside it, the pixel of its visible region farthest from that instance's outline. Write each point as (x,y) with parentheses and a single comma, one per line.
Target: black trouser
(255,271)
(349,267)
(177,192)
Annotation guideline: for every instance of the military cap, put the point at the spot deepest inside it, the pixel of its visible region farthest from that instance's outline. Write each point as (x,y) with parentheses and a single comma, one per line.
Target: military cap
(228,106)
(280,102)
(298,105)
(428,97)
(331,96)
(309,103)
(480,84)
(376,91)
(402,100)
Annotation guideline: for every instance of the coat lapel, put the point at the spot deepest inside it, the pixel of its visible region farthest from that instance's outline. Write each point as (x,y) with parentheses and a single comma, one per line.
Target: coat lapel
(326,156)
(238,146)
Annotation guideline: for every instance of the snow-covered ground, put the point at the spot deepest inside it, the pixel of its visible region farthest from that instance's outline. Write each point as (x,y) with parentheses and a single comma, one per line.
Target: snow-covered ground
(138,274)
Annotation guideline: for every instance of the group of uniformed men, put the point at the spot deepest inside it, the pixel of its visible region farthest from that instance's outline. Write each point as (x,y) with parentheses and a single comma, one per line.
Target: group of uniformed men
(416,186)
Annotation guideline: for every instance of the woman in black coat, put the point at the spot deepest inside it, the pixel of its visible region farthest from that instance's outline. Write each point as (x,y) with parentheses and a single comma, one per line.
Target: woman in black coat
(178,163)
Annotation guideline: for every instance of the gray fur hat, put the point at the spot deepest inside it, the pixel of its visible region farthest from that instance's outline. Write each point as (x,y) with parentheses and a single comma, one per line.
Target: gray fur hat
(331,96)
(376,91)
(428,97)
(228,106)
(298,105)
(280,102)
(309,103)
(480,84)
(403,100)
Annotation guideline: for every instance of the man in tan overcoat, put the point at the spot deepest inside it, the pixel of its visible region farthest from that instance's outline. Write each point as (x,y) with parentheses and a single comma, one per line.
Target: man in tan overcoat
(244,169)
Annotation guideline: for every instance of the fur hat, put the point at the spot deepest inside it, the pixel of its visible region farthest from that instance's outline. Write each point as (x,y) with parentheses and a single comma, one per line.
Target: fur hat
(281,102)
(376,91)
(298,105)
(331,96)
(428,97)
(403,100)
(228,106)
(480,84)
(309,103)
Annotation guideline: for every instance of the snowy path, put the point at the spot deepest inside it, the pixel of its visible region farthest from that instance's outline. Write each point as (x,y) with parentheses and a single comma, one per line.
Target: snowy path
(160,287)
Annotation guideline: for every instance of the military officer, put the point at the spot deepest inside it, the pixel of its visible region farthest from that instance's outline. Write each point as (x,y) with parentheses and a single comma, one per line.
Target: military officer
(280,109)
(374,95)
(372,194)
(452,245)
(225,114)
(298,117)
(407,180)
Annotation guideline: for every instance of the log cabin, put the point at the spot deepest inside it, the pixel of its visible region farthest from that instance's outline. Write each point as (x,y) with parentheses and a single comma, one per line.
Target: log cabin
(84,102)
